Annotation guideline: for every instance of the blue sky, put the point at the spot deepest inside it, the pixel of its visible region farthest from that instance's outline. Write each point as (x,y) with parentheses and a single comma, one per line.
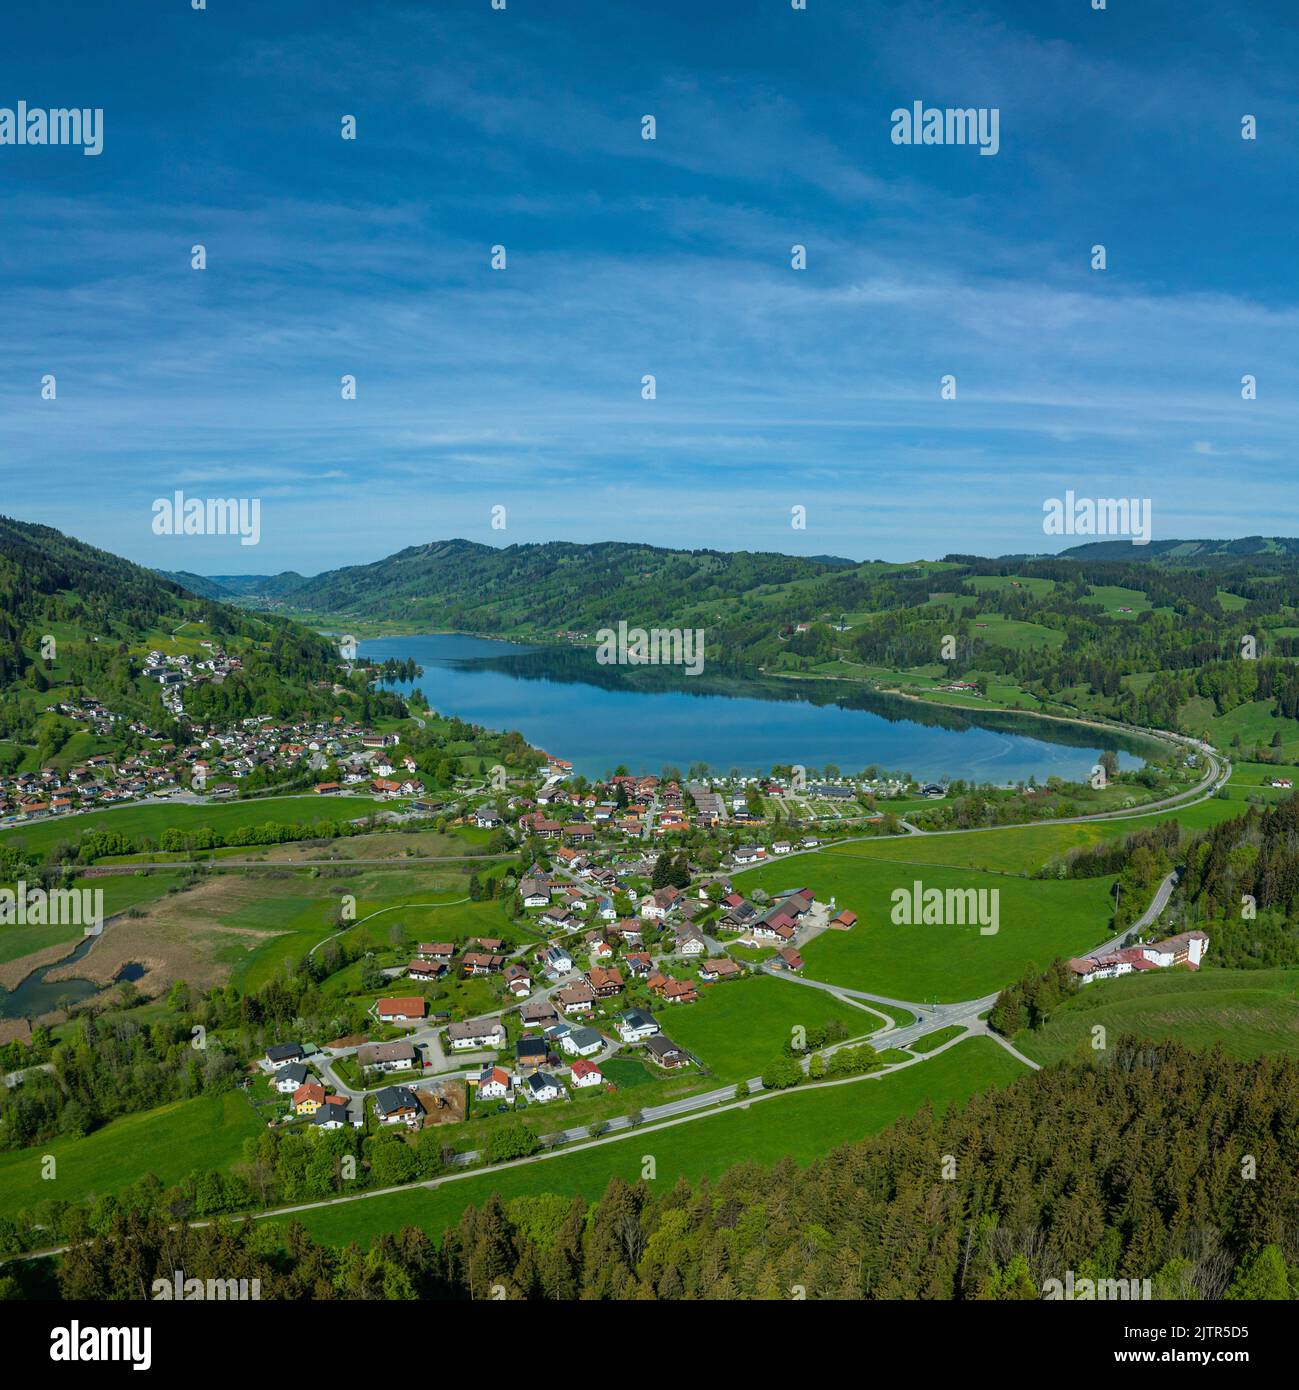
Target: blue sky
(776,388)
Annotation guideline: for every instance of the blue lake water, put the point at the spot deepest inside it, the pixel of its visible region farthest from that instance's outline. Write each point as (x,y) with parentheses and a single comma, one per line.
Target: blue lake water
(564,702)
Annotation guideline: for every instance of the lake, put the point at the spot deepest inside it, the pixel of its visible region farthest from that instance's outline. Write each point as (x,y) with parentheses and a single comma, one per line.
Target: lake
(564,702)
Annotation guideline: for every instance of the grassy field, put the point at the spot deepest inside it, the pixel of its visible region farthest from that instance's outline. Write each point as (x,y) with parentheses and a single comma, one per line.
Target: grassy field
(738,1026)
(120,892)
(153,818)
(1038,920)
(1250,1012)
(932,1041)
(800,1123)
(170,1142)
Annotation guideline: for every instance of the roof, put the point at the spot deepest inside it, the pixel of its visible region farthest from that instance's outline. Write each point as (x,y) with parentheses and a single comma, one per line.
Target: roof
(474,1027)
(583,1067)
(404,1004)
(284,1051)
(394,1098)
(385,1052)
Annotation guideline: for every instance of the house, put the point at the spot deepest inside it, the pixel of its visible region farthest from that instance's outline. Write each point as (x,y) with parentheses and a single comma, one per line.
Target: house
(604,983)
(495,1083)
(577,998)
(788,958)
(288,1079)
(535,892)
(308,1098)
(476,1033)
(723,968)
(781,847)
(517,980)
(542,1087)
(540,1013)
(600,948)
(673,991)
(557,960)
(689,943)
(1187,948)
(401,1010)
(748,854)
(636,1026)
(487,819)
(586,1073)
(283,1053)
(665,1052)
(845,920)
(480,963)
(425,970)
(397,1105)
(334,1114)
(530,1053)
(440,953)
(391,1056)
(582,1042)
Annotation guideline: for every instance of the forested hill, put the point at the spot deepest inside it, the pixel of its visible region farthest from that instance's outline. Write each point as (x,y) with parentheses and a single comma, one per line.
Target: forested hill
(557,585)
(105,614)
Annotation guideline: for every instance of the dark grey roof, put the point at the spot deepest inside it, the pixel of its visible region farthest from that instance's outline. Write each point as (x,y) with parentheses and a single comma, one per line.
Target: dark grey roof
(394,1098)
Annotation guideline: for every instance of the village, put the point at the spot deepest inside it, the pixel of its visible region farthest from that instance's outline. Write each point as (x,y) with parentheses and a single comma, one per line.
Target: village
(570,1003)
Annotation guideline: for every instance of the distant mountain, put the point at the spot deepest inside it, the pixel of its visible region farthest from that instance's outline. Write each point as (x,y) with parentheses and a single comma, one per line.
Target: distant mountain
(196,584)
(553,586)
(1267,551)
(76,621)
(236,586)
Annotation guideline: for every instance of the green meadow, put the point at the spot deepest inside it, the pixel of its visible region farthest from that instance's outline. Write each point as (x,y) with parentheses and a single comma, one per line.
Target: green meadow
(738,1026)
(1038,920)
(152,819)
(171,1142)
(802,1123)
(1249,1012)
(120,892)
